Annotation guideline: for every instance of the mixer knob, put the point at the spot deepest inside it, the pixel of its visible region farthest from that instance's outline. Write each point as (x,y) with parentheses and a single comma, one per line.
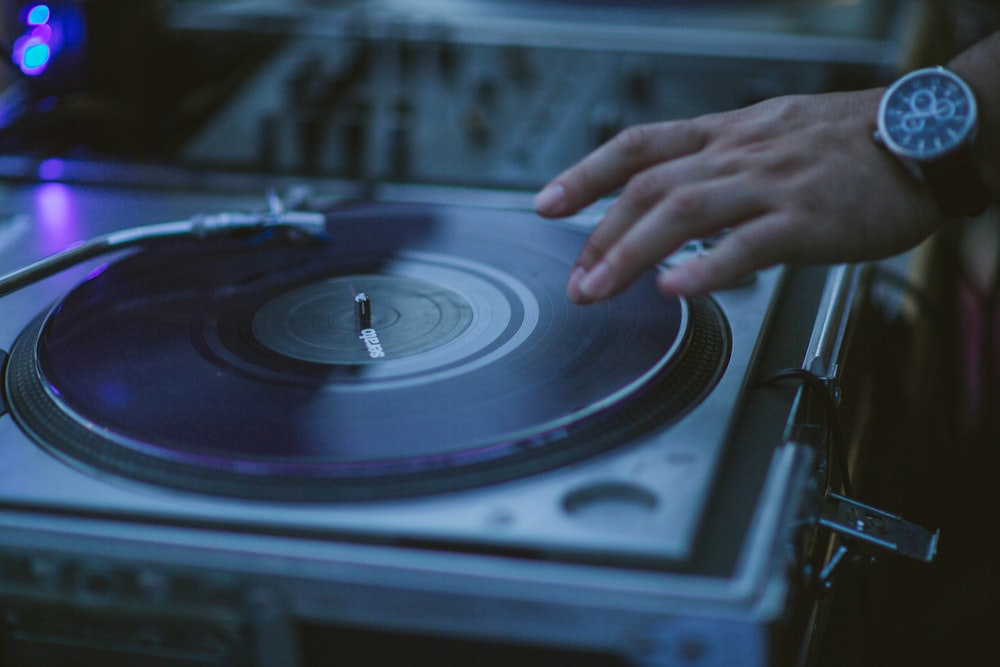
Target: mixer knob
(309,130)
(475,122)
(355,140)
(486,92)
(518,65)
(406,57)
(445,53)
(640,81)
(267,141)
(605,121)
(400,136)
(301,83)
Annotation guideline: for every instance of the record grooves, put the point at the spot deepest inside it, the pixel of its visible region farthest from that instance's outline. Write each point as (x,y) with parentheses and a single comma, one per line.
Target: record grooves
(239,368)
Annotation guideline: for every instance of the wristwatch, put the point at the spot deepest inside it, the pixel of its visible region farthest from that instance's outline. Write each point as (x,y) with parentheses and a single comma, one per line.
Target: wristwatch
(928,120)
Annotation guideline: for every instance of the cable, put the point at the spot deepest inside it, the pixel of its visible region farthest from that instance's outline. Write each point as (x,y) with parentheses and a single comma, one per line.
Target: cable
(836,454)
(835,443)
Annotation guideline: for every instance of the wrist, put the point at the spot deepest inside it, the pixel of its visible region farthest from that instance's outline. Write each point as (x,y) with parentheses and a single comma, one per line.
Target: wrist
(979,67)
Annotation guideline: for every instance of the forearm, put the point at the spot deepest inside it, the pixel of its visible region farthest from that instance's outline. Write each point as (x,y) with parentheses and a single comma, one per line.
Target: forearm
(980,67)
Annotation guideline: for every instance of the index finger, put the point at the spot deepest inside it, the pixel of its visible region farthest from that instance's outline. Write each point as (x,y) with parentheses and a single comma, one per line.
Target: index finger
(610,166)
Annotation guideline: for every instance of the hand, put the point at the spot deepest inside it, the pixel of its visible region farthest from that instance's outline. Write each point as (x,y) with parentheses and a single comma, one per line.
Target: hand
(795,179)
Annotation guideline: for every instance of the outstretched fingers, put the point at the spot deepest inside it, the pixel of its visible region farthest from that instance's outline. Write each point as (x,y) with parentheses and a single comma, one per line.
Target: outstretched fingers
(757,244)
(610,166)
(621,249)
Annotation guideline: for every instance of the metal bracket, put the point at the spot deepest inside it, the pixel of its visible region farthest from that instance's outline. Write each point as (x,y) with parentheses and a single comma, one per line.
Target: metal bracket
(874,527)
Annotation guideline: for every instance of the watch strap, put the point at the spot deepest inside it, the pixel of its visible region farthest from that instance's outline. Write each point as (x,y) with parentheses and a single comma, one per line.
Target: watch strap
(956,184)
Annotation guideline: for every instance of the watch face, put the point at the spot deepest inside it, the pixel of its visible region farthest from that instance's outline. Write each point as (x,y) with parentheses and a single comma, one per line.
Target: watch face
(926,114)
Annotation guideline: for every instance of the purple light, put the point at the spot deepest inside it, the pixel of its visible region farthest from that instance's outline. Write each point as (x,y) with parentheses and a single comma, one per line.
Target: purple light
(51,169)
(34,49)
(98,270)
(53,204)
(57,216)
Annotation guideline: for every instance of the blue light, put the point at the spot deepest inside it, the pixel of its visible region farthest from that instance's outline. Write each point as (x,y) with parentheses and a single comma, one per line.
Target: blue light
(34,50)
(36,57)
(38,15)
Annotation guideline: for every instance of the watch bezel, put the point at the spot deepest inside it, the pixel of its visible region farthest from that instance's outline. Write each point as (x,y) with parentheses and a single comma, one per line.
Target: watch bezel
(966,133)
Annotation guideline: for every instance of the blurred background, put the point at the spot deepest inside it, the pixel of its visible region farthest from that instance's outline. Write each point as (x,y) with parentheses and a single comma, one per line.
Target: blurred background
(475,92)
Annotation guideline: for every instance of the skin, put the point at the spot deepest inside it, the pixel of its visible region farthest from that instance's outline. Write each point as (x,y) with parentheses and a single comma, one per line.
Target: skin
(794,179)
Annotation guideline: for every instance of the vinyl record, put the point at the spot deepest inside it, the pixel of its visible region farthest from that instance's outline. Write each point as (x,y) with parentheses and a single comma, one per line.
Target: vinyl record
(245,368)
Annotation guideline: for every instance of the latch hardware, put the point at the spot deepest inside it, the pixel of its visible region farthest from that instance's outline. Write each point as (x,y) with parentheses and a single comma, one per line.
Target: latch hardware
(875,527)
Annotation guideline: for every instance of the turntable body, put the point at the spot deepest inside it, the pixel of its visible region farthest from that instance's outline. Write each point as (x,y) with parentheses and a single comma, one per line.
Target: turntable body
(209,457)
(660,544)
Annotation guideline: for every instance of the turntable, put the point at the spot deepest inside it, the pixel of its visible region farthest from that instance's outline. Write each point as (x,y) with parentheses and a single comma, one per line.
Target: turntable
(232,449)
